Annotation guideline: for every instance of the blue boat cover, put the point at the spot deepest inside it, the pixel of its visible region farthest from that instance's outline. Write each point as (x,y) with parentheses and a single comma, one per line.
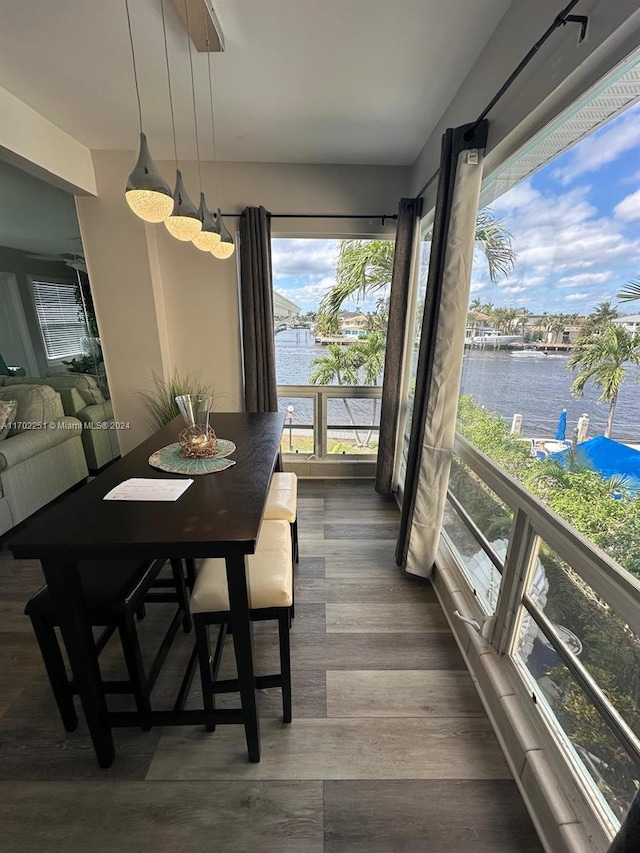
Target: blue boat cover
(608,457)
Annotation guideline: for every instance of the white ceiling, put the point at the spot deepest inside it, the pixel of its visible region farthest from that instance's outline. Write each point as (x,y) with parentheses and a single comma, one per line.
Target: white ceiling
(308,81)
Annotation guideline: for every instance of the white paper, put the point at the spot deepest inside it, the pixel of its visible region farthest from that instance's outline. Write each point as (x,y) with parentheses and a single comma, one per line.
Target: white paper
(139,489)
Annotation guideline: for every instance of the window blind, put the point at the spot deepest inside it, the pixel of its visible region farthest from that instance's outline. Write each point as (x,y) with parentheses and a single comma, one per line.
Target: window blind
(58,315)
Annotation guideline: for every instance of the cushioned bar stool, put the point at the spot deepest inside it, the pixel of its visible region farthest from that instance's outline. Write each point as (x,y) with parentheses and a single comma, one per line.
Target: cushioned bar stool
(115,591)
(270,587)
(282,504)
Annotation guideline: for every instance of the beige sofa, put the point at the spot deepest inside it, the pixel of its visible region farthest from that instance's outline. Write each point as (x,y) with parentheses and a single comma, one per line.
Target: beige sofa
(42,455)
(81,398)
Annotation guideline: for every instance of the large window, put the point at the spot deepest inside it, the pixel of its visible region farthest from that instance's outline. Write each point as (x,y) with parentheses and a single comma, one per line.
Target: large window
(61,321)
(330,325)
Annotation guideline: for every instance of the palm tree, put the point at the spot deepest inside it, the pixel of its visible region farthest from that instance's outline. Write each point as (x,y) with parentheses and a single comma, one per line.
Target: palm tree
(326,325)
(365,266)
(368,355)
(337,365)
(600,317)
(601,358)
(631,290)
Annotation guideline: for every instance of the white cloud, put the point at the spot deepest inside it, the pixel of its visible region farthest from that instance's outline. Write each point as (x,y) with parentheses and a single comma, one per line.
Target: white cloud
(585,278)
(629,208)
(574,297)
(602,147)
(308,292)
(304,257)
(477,285)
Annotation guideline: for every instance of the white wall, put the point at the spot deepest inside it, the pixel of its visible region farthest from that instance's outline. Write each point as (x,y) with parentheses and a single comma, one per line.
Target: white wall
(560,72)
(163,305)
(33,143)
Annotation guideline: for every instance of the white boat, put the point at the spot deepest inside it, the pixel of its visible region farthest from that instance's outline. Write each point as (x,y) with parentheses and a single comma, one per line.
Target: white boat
(493,339)
(529,353)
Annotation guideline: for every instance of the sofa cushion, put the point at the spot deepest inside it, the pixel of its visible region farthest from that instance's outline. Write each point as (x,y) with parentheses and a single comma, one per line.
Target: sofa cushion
(37,404)
(8,409)
(86,385)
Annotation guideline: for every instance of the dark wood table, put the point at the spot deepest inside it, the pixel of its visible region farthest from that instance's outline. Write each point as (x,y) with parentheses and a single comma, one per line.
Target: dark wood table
(218,516)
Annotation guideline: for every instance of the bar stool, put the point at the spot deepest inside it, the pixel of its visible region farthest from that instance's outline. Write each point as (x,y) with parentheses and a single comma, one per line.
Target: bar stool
(270,588)
(282,504)
(115,591)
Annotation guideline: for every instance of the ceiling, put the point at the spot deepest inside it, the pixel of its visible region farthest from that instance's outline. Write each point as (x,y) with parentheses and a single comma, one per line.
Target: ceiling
(301,81)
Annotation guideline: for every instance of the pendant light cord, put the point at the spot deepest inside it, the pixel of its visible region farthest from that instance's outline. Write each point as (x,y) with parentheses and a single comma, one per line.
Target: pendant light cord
(166,55)
(193,92)
(213,127)
(133,59)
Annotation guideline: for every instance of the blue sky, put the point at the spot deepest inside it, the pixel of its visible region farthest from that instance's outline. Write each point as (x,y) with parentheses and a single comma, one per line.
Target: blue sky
(575,226)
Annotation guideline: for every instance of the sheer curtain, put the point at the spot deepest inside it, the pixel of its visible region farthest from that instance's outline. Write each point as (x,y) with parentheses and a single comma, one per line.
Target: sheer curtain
(441,348)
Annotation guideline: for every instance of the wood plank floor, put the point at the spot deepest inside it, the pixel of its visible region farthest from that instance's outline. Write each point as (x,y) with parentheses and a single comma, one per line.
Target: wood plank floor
(389,749)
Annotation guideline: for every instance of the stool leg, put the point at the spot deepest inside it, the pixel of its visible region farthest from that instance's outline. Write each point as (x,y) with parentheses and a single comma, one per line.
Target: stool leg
(181,593)
(54,664)
(284,625)
(135,666)
(203,645)
(294,541)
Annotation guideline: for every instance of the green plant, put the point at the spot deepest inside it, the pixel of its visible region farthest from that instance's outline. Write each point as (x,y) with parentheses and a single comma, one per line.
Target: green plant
(160,404)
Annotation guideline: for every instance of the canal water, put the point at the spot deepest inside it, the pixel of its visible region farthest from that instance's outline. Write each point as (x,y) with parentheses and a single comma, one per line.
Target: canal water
(537,387)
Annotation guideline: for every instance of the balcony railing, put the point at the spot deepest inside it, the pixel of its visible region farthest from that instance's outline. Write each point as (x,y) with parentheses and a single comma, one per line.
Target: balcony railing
(331,421)
(565,615)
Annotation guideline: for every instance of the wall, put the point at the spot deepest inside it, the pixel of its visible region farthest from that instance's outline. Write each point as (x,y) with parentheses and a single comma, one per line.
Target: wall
(560,72)
(33,143)
(163,305)
(21,266)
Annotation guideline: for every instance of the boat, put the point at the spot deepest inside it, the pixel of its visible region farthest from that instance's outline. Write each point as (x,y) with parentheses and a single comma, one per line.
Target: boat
(529,353)
(493,339)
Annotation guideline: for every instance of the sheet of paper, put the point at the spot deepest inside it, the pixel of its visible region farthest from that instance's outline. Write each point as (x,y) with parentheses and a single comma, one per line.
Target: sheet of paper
(139,489)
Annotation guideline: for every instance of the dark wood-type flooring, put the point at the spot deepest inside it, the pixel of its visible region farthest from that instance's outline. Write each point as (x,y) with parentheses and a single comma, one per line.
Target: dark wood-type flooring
(389,750)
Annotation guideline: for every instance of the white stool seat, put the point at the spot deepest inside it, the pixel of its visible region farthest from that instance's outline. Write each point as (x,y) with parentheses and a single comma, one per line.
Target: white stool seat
(282,499)
(269,575)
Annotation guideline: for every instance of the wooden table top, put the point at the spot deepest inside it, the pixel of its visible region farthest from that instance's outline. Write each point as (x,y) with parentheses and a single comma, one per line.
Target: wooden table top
(219,514)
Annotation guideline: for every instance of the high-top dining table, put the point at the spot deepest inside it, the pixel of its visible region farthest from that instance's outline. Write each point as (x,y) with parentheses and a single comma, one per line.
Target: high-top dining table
(219,515)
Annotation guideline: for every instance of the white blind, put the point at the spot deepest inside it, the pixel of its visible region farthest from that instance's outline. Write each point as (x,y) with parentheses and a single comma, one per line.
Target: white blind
(57,310)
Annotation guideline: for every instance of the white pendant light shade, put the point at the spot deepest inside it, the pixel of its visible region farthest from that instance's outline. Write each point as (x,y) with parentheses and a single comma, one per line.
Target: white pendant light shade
(225,247)
(147,193)
(183,223)
(209,237)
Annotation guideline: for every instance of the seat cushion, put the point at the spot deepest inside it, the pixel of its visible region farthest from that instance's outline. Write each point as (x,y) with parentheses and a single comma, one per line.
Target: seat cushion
(269,576)
(107,584)
(282,500)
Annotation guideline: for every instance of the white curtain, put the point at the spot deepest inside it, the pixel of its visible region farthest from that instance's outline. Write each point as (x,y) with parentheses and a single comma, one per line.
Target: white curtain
(441,348)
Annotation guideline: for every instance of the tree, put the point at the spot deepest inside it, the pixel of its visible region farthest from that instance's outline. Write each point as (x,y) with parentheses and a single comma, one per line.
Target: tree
(365,266)
(326,325)
(337,365)
(631,290)
(600,317)
(368,356)
(601,358)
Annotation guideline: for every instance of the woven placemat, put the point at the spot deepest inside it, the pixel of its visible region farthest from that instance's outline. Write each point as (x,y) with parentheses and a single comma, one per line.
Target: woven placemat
(170,459)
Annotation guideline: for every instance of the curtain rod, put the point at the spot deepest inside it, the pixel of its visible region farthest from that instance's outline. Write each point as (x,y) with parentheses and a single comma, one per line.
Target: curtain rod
(560,20)
(381,216)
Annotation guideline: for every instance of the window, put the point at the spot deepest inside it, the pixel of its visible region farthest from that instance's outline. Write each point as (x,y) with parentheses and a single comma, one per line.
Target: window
(59,317)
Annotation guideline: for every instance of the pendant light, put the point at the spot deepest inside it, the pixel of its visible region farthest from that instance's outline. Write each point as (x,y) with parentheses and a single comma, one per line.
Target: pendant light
(224,247)
(183,223)
(147,193)
(209,236)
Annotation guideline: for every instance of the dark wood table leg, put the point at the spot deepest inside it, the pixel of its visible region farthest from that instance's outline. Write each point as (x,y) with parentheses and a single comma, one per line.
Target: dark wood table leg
(65,588)
(243,646)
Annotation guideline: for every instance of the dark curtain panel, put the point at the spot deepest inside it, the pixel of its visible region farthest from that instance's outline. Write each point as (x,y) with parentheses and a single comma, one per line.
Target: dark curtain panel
(628,838)
(408,213)
(453,143)
(256,296)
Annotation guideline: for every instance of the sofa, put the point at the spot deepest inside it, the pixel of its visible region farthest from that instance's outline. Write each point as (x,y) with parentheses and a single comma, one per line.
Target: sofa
(83,399)
(41,456)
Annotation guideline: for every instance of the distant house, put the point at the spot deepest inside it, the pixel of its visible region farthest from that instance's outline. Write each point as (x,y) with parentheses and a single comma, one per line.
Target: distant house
(284,310)
(354,325)
(631,323)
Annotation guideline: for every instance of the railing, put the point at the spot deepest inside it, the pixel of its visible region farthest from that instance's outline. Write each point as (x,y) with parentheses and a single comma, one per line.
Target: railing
(332,421)
(565,614)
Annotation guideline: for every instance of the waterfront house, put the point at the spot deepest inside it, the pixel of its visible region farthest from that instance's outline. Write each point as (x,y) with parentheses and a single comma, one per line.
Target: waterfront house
(630,322)
(353,324)
(424,717)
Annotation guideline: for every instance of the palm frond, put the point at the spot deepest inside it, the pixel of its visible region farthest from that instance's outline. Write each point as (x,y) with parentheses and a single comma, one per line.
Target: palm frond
(496,243)
(631,290)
